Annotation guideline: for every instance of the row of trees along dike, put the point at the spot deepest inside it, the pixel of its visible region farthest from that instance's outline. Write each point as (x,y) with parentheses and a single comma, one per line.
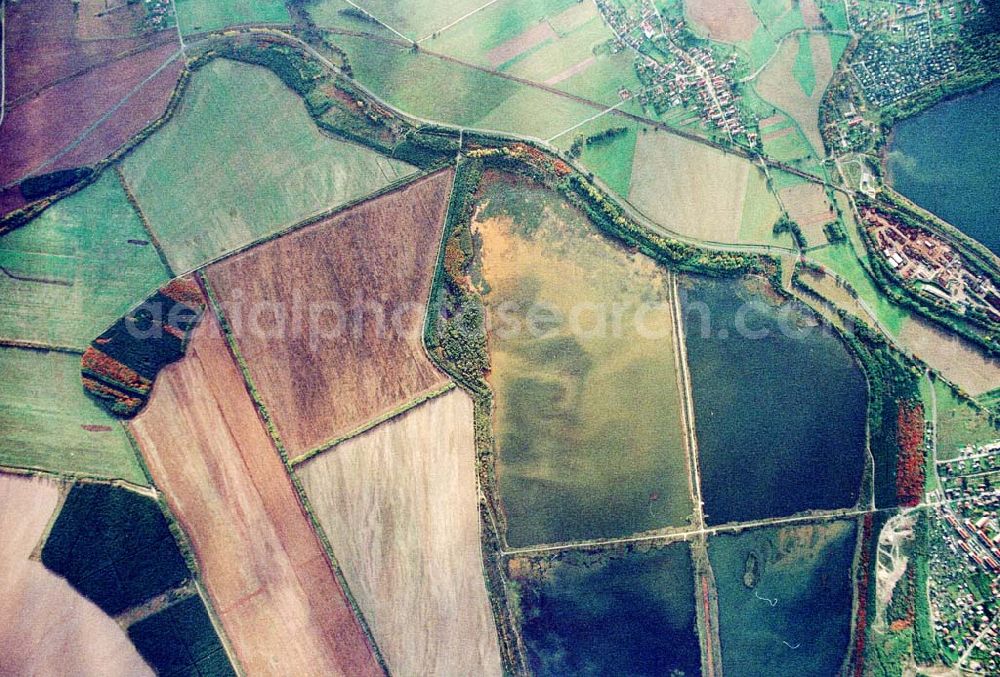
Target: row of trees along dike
(337,107)
(943,313)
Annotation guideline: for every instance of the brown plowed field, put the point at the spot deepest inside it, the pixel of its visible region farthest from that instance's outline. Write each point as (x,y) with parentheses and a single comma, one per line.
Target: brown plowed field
(400,504)
(39,128)
(139,111)
(261,562)
(48,628)
(47,41)
(349,295)
(10,199)
(726,20)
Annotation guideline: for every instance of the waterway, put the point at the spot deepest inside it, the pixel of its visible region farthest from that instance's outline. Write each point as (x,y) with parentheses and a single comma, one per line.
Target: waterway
(946,160)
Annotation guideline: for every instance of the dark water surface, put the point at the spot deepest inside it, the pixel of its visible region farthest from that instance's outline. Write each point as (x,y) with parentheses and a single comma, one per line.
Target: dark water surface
(779,405)
(946,160)
(630,615)
(794,617)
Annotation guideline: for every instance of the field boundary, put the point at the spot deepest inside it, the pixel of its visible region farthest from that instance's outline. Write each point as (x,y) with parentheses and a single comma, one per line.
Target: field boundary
(329,213)
(134,202)
(20,344)
(384,417)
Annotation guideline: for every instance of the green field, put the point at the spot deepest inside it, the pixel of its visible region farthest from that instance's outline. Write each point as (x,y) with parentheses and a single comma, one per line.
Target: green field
(960,423)
(473,38)
(587,407)
(76,268)
(788,147)
(194,16)
(802,70)
(610,160)
(842,260)
(563,44)
(43,411)
(412,82)
(415,19)
(262,165)
(180,640)
(338,14)
(838,44)
(760,211)
(778,18)
(114,546)
(835,12)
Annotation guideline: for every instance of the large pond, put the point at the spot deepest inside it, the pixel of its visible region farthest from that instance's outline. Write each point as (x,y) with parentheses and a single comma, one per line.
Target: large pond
(588,418)
(630,614)
(785,599)
(945,160)
(779,404)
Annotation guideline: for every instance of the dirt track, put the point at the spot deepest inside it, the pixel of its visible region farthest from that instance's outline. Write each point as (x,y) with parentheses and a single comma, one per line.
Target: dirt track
(263,566)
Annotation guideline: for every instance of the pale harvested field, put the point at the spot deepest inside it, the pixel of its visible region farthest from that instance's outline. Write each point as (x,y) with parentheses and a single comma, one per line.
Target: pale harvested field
(532,37)
(400,506)
(336,368)
(262,564)
(810,14)
(725,20)
(689,188)
(575,69)
(48,626)
(777,84)
(807,205)
(959,361)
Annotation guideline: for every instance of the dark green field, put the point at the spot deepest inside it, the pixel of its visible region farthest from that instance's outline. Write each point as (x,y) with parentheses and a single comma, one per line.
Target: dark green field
(114,546)
(180,640)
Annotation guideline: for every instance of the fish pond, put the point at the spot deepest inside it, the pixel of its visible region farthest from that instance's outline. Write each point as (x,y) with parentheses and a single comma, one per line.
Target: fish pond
(945,160)
(779,403)
(628,614)
(584,371)
(785,599)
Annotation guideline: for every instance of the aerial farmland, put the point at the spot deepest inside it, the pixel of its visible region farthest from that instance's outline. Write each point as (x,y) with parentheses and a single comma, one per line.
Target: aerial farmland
(498,337)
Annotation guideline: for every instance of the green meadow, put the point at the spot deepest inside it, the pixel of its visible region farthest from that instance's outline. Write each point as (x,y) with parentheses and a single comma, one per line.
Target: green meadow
(262,165)
(76,268)
(195,16)
(48,422)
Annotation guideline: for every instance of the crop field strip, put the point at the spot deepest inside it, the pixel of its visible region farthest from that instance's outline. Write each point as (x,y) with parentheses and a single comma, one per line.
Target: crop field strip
(384,417)
(247,580)
(416,472)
